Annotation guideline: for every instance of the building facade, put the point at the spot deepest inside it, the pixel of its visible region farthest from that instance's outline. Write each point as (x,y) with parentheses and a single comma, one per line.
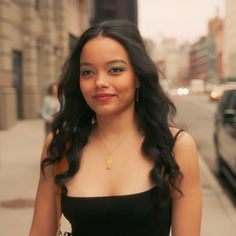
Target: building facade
(174,61)
(35,38)
(216,33)
(206,55)
(115,9)
(198,68)
(229,39)
(166,60)
(183,62)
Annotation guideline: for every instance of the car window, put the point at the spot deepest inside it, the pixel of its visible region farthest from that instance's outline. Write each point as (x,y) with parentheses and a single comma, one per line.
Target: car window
(232,102)
(224,103)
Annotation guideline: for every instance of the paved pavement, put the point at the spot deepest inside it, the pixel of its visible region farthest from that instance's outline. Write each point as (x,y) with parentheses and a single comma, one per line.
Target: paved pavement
(20,149)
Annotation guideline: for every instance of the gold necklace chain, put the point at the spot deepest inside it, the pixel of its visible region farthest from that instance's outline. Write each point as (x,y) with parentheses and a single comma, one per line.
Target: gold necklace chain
(109,156)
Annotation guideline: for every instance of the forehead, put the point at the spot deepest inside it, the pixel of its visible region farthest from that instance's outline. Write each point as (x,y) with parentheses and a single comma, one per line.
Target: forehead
(103,48)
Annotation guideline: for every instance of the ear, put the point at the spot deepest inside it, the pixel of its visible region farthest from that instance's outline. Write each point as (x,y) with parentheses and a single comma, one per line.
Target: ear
(138,83)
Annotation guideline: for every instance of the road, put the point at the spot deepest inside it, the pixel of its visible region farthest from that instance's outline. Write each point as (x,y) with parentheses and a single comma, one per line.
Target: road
(195,113)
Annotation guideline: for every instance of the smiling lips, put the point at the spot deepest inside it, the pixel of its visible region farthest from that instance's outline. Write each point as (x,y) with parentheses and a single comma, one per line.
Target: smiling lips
(103,97)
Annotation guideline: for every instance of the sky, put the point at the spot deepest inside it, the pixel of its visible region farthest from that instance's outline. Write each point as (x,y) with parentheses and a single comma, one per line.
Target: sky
(185,20)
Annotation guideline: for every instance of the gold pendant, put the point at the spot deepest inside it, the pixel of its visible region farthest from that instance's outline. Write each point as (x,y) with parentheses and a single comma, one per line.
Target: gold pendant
(109,162)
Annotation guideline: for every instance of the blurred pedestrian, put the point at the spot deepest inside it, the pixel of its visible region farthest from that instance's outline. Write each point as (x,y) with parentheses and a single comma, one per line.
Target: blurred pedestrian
(119,164)
(50,107)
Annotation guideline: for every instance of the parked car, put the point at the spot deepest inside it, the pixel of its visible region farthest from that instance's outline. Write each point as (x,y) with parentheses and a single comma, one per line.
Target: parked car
(217,92)
(225,136)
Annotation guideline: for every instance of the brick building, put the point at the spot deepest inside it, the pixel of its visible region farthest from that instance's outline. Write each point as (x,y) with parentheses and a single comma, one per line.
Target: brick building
(35,38)
(216,32)
(198,68)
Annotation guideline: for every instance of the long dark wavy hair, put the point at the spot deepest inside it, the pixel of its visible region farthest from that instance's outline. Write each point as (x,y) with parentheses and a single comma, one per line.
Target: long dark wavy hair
(154,111)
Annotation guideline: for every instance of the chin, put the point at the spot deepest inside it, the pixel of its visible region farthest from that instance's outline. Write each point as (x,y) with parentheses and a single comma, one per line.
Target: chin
(105,113)
(109,110)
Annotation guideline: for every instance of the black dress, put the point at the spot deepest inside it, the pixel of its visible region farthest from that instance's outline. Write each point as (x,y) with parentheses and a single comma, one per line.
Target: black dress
(140,214)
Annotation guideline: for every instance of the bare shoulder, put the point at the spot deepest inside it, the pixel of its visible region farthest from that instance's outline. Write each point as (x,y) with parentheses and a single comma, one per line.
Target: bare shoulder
(187,158)
(188,205)
(185,150)
(184,141)
(45,199)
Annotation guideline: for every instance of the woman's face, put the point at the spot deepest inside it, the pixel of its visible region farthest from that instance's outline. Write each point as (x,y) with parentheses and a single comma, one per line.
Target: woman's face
(107,79)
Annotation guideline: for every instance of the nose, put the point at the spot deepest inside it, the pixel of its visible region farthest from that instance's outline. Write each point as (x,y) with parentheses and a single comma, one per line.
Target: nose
(102,81)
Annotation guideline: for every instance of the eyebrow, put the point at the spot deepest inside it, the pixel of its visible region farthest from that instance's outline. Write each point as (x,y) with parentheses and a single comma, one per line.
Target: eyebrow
(109,62)
(116,61)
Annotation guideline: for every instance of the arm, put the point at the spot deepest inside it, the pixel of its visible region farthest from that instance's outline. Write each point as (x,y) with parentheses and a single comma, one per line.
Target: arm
(45,219)
(186,209)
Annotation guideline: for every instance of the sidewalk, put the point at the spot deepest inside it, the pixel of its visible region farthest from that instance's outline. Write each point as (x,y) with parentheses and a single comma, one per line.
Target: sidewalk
(20,149)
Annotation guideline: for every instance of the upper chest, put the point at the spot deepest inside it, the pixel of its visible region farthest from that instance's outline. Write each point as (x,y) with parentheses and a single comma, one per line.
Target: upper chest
(129,173)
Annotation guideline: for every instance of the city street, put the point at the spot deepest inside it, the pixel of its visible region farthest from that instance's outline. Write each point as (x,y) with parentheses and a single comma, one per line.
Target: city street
(191,44)
(196,115)
(20,149)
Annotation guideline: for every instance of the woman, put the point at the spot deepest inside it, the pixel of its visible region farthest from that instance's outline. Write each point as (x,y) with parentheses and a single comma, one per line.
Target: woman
(124,169)
(50,107)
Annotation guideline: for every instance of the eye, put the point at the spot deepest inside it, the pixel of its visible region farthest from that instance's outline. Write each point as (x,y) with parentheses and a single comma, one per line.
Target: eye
(116,70)
(85,73)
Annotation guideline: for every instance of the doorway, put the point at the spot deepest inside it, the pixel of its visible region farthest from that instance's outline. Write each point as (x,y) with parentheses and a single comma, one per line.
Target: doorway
(17,81)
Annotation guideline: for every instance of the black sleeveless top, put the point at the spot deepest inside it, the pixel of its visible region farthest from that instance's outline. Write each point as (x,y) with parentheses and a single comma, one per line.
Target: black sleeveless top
(141,214)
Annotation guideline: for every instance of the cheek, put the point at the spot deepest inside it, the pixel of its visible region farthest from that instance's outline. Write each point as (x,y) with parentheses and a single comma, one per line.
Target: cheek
(128,89)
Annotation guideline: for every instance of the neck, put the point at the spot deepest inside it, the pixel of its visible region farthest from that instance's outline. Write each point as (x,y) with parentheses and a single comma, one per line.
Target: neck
(117,125)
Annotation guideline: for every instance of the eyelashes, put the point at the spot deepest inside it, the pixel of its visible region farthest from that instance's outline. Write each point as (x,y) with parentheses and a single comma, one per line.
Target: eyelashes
(116,70)
(86,72)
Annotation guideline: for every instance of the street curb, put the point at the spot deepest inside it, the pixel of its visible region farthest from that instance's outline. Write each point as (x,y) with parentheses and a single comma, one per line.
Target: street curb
(227,205)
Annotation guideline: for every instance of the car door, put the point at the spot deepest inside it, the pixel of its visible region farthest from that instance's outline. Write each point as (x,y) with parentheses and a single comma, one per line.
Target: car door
(227,131)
